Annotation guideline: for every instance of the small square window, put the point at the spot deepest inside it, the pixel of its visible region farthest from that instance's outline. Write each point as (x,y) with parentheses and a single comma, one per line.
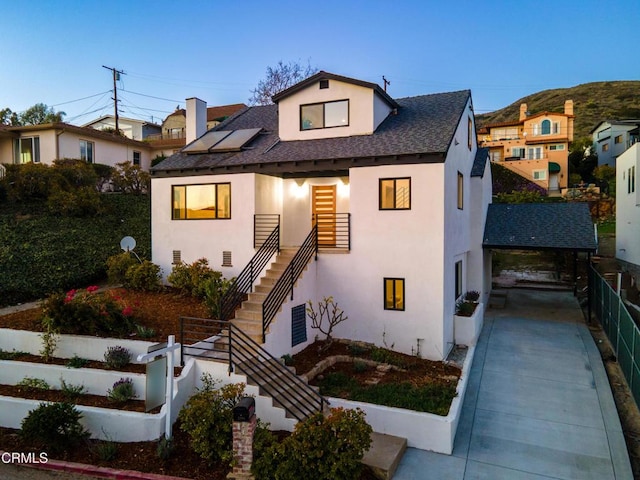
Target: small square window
(395,194)
(324,84)
(617,139)
(394,293)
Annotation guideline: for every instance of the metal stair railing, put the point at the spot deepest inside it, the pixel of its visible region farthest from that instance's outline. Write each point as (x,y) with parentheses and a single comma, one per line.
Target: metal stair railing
(243,284)
(273,378)
(222,341)
(334,230)
(287,280)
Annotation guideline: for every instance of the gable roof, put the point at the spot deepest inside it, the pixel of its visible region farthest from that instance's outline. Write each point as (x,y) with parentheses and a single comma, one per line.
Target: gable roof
(540,226)
(213,113)
(83,131)
(322,75)
(420,132)
(122,119)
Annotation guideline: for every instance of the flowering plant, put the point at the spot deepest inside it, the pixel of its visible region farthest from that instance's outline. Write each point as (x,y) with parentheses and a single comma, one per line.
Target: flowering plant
(90,312)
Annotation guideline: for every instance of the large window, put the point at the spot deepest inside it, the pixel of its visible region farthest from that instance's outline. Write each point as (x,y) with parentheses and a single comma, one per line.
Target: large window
(545,127)
(394,293)
(27,150)
(460,191)
(324,115)
(196,202)
(395,193)
(86,151)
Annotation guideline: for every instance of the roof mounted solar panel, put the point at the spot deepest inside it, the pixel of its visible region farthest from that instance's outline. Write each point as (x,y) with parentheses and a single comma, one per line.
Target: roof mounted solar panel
(205,142)
(236,140)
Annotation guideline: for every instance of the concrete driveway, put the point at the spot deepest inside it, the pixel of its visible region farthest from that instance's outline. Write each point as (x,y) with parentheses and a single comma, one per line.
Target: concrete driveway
(538,404)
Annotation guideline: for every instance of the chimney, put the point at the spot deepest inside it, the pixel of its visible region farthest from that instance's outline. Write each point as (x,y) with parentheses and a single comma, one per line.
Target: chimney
(196,121)
(523,111)
(568,107)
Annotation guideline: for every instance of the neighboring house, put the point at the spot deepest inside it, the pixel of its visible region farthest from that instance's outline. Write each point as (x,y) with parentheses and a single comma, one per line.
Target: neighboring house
(172,137)
(130,127)
(50,141)
(612,137)
(535,146)
(394,192)
(628,210)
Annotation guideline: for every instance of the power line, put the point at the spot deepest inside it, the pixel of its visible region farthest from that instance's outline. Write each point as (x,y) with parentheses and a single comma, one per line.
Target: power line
(151,96)
(80,99)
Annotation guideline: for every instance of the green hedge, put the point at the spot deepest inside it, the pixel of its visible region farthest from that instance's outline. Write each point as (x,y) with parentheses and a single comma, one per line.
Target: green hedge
(41,253)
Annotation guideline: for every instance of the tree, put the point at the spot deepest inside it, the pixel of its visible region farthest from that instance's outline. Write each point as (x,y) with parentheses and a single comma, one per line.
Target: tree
(277,79)
(40,113)
(582,158)
(35,115)
(7,117)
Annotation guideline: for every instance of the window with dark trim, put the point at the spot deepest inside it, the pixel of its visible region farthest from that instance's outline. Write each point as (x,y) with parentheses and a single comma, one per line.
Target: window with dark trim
(617,139)
(395,194)
(324,115)
(394,293)
(469,132)
(201,202)
(458,279)
(136,158)
(27,149)
(545,127)
(460,191)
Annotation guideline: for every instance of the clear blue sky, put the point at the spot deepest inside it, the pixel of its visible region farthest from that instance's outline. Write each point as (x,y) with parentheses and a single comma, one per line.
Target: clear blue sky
(53,51)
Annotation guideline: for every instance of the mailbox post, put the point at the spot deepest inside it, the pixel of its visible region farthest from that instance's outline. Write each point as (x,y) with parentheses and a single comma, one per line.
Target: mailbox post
(244,427)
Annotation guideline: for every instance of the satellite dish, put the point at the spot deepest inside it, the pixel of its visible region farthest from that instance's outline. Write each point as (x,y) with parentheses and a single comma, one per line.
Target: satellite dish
(128,244)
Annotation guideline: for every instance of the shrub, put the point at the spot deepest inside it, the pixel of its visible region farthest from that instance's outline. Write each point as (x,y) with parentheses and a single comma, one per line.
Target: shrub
(207,419)
(145,332)
(129,178)
(165,448)
(472,296)
(322,448)
(328,309)
(12,355)
(464,308)
(55,426)
(76,362)
(214,289)
(360,367)
(89,312)
(117,266)
(30,383)
(143,276)
(70,391)
(106,450)
(117,357)
(190,279)
(79,202)
(28,181)
(122,391)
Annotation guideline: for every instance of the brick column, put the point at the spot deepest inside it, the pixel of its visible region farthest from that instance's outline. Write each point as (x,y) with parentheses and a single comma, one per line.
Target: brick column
(243,449)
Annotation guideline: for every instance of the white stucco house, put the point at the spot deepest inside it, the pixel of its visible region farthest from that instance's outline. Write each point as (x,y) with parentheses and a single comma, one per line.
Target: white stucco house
(628,210)
(50,141)
(396,191)
(132,128)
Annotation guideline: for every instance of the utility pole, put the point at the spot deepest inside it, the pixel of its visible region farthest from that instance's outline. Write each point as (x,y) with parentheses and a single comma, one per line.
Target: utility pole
(116,76)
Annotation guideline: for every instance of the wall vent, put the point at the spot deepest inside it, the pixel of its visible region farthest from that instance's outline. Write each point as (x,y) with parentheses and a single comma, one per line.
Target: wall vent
(177,257)
(324,84)
(226,259)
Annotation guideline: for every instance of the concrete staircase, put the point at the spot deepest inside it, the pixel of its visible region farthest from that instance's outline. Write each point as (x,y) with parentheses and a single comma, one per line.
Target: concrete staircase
(385,454)
(248,317)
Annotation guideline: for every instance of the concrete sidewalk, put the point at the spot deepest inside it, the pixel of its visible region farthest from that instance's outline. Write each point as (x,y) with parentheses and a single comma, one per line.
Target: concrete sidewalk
(538,404)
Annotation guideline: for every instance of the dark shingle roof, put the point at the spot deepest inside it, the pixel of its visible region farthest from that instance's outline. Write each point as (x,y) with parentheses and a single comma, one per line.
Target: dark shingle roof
(479,163)
(539,226)
(424,125)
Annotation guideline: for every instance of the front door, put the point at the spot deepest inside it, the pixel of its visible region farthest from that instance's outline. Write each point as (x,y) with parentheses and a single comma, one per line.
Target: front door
(323,208)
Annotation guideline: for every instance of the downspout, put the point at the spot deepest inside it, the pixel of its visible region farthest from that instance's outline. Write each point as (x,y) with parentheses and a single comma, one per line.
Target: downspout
(58,143)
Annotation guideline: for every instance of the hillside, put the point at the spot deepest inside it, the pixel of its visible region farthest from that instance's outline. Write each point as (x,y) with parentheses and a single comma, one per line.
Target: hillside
(593,103)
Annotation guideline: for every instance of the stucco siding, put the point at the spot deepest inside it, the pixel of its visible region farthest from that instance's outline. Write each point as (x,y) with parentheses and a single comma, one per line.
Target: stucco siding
(628,207)
(361,111)
(204,238)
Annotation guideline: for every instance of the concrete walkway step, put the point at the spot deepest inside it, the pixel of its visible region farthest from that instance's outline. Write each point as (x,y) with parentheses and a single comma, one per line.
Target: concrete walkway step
(384,455)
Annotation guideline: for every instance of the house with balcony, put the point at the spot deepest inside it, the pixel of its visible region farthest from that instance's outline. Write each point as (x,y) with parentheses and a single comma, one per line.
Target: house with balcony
(338,190)
(628,211)
(173,132)
(536,146)
(612,137)
(50,141)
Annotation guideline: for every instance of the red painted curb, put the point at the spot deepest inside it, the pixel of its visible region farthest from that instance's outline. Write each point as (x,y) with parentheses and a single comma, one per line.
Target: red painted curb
(102,472)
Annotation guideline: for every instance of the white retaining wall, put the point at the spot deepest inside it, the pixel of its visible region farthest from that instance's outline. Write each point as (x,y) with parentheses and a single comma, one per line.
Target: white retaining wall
(467,329)
(425,431)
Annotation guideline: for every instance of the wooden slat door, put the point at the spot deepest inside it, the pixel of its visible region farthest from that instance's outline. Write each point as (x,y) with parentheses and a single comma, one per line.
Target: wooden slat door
(323,207)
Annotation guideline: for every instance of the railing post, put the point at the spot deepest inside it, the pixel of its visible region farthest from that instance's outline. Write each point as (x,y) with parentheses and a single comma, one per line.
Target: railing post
(349,231)
(230,328)
(292,281)
(317,241)
(181,341)
(251,275)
